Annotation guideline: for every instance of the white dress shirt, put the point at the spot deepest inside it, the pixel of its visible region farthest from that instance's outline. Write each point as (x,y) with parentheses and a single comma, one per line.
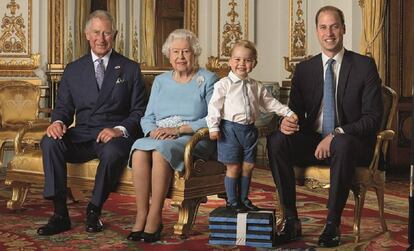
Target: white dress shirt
(336,69)
(239,101)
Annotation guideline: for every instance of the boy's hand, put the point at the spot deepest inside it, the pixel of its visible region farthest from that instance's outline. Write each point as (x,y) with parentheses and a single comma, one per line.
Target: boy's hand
(289,125)
(214,135)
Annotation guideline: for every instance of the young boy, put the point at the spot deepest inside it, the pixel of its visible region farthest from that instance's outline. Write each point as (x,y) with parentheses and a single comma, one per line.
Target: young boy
(232,111)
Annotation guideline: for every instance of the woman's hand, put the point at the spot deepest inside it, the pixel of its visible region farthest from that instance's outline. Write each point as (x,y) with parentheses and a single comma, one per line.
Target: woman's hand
(164,133)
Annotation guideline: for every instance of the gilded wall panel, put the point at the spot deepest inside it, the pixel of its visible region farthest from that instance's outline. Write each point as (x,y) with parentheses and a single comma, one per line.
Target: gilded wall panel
(15,28)
(233,18)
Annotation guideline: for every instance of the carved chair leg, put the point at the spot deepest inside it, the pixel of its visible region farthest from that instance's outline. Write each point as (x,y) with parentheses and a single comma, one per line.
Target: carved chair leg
(359,205)
(19,194)
(187,211)
(380,197)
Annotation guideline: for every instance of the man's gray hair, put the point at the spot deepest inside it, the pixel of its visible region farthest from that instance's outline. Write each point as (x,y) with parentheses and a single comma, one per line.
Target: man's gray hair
(182,34)
(102,15)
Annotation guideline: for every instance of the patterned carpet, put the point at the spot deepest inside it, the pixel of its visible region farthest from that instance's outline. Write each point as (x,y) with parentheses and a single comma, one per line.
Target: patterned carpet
(18,229)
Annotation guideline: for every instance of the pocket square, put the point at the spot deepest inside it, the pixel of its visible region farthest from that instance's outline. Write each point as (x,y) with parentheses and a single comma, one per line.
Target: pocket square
(120,81)
(117,67)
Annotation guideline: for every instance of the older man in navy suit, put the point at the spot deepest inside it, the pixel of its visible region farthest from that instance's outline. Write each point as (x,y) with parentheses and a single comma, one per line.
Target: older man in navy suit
(337,97)
(105,93)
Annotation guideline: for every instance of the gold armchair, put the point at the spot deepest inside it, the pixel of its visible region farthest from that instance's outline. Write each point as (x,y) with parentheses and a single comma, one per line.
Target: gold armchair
(19,105)
(365,177)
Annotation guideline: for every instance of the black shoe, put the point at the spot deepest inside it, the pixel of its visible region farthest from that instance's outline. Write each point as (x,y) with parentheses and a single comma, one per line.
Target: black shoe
(331,236)
(56,224)
(152,237)
(93,223)
(249,205)
(291,231)
(236,207)
(135,236)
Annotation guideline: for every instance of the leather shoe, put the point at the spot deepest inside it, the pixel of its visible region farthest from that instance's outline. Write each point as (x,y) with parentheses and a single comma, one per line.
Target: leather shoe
(152,237)
(236,207)
(331,236)
(56,224)
(93,223)
(135,236)
(249,205)
(291,231)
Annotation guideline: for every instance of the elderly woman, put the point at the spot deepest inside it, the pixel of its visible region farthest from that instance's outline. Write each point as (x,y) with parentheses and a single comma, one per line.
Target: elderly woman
(177,108)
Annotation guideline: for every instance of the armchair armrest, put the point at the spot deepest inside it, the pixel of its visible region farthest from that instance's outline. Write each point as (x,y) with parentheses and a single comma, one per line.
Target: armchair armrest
(30,125)
(381,145)
(201,134)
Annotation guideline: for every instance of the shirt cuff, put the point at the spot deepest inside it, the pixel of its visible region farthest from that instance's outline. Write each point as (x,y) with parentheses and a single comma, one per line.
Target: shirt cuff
(124,131)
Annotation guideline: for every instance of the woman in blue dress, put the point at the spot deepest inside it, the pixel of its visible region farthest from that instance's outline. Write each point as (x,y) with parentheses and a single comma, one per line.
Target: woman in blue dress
(177,108)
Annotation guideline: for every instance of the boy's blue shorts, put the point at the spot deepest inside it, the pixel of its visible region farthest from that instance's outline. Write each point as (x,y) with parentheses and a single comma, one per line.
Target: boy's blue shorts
(237,143)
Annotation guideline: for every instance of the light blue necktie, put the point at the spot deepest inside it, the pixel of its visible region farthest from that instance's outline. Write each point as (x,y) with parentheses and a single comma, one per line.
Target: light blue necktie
(100,72)
(328,122)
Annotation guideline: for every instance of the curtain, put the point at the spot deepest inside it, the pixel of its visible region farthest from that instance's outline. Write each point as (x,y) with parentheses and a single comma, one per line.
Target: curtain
(373,33)
(147,32)
(83,8)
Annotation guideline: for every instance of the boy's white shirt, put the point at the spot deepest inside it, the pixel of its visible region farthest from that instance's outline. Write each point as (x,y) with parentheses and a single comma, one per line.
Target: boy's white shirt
(239,101)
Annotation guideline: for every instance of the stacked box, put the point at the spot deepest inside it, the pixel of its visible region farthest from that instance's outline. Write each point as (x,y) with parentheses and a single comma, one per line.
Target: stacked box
(253,228)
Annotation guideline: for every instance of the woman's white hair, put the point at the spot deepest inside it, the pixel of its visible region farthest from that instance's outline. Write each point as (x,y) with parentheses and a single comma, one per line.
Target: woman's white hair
(182,34)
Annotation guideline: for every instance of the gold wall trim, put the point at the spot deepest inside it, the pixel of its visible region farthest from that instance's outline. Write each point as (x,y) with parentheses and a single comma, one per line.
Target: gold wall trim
(56,32)
(14,41)
(191,15)
(20,67)
(234,28)
(298,47)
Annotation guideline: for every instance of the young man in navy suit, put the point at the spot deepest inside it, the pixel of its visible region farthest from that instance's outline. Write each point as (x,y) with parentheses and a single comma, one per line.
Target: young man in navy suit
(105,94)
(337,97)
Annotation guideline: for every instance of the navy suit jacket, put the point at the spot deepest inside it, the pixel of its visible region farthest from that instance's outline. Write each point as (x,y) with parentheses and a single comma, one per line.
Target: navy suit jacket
(120,102)
(359,95)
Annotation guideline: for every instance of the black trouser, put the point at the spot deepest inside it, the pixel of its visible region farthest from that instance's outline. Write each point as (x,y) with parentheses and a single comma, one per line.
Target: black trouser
(285,151)
(113,157)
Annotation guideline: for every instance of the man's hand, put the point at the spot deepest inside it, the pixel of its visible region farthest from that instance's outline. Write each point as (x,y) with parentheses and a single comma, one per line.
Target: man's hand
(323,149)
(289,125)
(215,135)
(109,133)
(56,130)
(164,133)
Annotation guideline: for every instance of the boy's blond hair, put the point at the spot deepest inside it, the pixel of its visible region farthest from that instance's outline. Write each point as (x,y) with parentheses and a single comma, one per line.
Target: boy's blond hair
(248,45)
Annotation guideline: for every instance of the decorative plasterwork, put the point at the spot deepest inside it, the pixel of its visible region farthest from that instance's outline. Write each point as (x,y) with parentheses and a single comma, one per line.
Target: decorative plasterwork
(297,35)
(56,34)
(19,67)
(191,15)
(16,28)
(233,19)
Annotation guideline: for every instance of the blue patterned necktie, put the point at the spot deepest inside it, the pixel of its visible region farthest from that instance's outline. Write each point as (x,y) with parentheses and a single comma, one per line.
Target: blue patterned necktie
(328,121)
(100,72)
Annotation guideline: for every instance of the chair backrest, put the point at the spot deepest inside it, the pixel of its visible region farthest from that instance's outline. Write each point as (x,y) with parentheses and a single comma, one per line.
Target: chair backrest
(390,100)
(19,102)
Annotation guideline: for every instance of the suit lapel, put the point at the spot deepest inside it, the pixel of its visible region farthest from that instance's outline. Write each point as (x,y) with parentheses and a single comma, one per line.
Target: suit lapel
(90,88)
(318,90)
(112,72)
(342,82)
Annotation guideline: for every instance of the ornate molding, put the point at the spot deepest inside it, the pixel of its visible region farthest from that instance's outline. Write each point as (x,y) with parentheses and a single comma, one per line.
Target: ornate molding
(135,44)
(56,31)
(69,47)
(21,67)
(16,29)
(297,35)
(231,30)
(191,15)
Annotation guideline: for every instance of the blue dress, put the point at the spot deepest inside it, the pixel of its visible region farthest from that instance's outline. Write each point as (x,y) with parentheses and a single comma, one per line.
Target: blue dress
(173,104)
